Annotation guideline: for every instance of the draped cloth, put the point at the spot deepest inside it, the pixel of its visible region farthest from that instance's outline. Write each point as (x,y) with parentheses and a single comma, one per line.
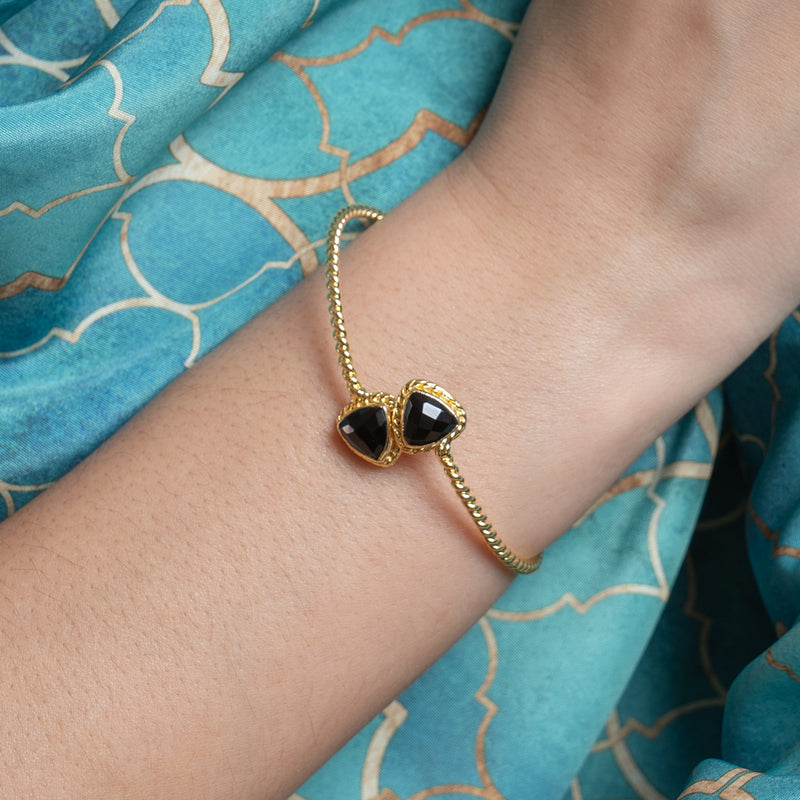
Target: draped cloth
(168,169)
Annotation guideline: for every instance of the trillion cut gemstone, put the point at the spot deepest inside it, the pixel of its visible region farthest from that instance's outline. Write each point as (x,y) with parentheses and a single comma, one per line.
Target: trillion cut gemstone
(366,430)
(426,420)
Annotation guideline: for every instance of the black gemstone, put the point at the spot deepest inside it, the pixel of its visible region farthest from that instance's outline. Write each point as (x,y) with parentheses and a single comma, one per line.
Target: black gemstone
(426,420)
(366,430)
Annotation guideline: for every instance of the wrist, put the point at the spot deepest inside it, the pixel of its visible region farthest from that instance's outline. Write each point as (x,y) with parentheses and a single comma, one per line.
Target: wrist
(607,310)
(524,326)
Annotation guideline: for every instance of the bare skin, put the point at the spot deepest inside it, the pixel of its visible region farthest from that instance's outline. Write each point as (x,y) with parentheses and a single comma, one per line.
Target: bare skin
(211,604)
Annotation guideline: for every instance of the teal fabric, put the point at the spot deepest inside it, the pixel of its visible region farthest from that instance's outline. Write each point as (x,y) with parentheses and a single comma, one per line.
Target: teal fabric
(168,169)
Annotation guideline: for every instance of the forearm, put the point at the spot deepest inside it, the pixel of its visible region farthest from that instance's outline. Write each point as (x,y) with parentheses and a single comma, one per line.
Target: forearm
(213,602)
(222,594)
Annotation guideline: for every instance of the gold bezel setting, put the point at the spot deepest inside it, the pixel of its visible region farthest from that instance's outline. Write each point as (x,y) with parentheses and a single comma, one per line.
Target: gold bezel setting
(387,402)
(442,399)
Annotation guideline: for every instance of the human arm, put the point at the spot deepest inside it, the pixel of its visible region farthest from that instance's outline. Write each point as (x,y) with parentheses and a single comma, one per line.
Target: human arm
(186,609)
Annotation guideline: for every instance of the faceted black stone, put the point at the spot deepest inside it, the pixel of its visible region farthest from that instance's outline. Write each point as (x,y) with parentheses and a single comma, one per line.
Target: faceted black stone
(366,430)
(426,420)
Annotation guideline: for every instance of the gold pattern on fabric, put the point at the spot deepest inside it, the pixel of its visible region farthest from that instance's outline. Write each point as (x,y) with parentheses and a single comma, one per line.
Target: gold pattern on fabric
(214,74)
(734,791)
(724,519)
(116,112)
(48,283)
(8,499)
(310,17)
(732,781)
(627,764)
(779,665)
(490,706)
(15,55)
(763,528)
(697,470)
(107,11)
(652,732)
(785,550)
(660,590)
(258,193)
(34,280)
(194,167)
(772,536)
(146,24)
(38,280)
(154,299)
(424,120)
(712,787)
(704,648)
(394,716)
(251,190)
(569,600)
(749,438)
(454,788)
(467,11)
(35,213)
(322,109)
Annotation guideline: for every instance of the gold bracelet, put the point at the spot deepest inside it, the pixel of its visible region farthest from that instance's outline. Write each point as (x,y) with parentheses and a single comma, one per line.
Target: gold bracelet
(378,427)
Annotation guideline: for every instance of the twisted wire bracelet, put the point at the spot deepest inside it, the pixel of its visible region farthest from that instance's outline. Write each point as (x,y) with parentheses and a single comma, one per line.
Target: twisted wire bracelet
(378,426)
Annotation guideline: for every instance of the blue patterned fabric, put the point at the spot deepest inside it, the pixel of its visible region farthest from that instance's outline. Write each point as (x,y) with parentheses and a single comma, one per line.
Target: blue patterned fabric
(168,169)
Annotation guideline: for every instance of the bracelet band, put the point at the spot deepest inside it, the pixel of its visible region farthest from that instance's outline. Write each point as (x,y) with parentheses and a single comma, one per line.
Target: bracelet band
(378,427)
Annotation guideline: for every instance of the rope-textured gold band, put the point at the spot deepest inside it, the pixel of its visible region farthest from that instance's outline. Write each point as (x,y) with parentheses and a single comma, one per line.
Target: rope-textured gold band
(378,426)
